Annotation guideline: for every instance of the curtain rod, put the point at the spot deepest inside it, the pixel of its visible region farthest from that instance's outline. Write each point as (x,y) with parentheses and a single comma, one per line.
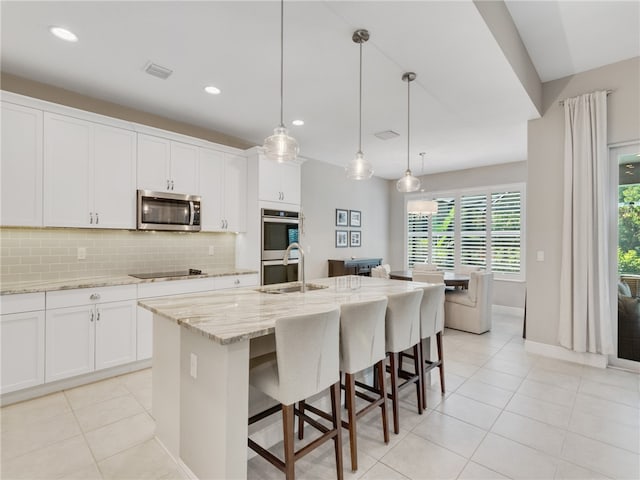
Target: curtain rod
(561,102)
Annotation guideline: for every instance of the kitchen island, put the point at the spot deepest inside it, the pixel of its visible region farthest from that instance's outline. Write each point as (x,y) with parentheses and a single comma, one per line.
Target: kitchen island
(201,363)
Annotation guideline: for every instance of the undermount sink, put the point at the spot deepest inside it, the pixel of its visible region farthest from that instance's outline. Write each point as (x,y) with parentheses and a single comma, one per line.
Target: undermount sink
(291,288)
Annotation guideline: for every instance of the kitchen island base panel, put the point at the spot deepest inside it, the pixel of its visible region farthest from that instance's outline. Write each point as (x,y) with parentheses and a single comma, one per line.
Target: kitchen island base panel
(213,406)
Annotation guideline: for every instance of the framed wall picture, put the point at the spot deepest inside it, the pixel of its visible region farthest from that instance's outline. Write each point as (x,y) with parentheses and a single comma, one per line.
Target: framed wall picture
(355,238)
(342,218)
(341,238)
(355,218)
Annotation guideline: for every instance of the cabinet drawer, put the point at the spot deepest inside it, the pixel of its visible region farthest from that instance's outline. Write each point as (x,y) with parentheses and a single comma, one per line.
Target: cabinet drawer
(89,296)
(236,281)
(22,302)
(175,287)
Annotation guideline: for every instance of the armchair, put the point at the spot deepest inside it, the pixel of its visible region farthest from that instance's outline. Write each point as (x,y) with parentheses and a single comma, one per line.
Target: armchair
(470,310)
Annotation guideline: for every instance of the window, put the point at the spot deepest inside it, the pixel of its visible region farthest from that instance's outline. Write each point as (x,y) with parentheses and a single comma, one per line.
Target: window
(480,227)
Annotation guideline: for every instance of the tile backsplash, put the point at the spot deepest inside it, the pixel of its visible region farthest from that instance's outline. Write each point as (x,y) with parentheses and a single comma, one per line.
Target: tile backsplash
(36,254)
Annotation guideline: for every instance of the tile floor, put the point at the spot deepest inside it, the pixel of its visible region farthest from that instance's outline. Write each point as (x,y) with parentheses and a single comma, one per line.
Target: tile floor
(506,414)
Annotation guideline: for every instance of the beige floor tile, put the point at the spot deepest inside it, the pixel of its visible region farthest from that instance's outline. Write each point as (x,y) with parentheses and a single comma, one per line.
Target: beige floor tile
(612,411)
(121,435)
(451,433)
(110,411)
(33,436)
(612,376)
(147,460)
(36,410)
(137,380)
(569,471)
(418,458)
(382,472)
(548,393)
(549,413)
(475,471)
(460,368)
(513,459)
(56,460)
(498,379)
(143,395)
(97,392)
(600,457)
(557,379)
(505,365)
(530,432)
(90,472)
(469,410)
(560,366)
(485,393)
(610,392)
(599,428)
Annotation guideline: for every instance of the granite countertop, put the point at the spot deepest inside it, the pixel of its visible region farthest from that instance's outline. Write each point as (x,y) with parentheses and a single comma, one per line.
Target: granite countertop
(230,316)
(11,288)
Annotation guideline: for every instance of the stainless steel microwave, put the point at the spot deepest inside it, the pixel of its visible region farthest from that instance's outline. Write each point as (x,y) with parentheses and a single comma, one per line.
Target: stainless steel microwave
(168,211)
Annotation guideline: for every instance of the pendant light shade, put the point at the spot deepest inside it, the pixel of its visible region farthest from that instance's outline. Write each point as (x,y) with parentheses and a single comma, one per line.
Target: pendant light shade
(408,183)
(359,168)
(281,147)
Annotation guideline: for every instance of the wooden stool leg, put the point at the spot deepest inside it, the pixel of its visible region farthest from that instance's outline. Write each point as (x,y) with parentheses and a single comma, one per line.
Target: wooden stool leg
(379,368)
(417,365)
(393,357)
(287,429)
(441,358)
(350,394)
(301,405)
(424,377)
(337,425)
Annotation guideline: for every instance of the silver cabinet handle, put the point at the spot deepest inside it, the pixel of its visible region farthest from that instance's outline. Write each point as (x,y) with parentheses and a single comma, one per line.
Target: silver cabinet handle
(171,184)
(237,282)
(94,296)
(91,319)
(91,218)
(226,224)
(221,224)
(168,184)
(98,317)
(97,219)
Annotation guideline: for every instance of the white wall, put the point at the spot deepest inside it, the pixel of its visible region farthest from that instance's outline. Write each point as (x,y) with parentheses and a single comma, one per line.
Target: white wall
(325,188)
(508,293)
(545,177)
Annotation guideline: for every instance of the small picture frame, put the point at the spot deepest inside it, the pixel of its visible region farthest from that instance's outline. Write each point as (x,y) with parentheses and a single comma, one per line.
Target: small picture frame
(355,238)
(342,217)
(355,217)
(341,239)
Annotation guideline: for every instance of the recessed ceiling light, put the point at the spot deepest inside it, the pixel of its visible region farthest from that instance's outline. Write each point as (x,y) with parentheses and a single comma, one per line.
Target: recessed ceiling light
(212,90)
(298,123)
(64,34)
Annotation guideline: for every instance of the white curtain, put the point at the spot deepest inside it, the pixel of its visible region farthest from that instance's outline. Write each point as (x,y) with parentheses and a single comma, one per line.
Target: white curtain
(585,323)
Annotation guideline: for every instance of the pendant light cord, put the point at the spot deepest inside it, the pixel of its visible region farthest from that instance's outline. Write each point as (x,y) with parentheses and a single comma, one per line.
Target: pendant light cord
(360,108)
(408,119)
(282,63)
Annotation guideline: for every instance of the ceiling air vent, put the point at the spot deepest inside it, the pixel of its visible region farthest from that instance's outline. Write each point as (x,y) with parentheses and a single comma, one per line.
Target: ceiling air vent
(158,70)
(387,135)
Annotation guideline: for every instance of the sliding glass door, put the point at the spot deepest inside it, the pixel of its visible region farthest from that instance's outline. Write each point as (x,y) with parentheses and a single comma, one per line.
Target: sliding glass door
(625,161)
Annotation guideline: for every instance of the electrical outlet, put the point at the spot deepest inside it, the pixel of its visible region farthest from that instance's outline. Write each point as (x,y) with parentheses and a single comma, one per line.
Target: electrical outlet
(540,255)
(194,365)
(211,249)
(82,253)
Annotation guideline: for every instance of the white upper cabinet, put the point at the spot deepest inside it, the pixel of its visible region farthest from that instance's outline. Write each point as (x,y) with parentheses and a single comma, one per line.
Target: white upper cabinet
(223,187)
(278,182)
(167,166)
(89,172)
(21,179)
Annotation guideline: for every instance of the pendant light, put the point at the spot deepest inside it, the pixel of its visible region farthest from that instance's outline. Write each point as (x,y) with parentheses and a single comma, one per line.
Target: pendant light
(422,207)
(281,147)
(359,168)
(408,183)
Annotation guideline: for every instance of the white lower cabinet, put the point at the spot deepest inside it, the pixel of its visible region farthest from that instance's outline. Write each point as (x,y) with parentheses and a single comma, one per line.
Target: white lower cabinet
(91,329)
(22,350)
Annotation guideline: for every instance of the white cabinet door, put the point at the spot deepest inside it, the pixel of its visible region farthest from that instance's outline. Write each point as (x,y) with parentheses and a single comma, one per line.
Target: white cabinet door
(21,179)
(290,178)
(154,156)
(144,334)
(67,171)
(114,177)
(212,190)
(184,168)
(22,350)
(70,342)
(115,333)
(278,182)
(235,193)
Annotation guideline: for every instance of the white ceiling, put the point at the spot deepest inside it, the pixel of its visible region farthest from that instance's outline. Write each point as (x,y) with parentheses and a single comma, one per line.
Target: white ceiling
(468,107)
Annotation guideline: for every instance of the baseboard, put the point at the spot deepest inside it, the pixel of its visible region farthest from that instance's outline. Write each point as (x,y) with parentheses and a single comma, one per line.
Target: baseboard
(560,353)
(184,470)
(504,309)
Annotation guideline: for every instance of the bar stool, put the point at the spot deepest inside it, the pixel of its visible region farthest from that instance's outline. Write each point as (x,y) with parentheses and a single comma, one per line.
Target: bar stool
(362,345)
(432,323)
(306,362)
(402,327)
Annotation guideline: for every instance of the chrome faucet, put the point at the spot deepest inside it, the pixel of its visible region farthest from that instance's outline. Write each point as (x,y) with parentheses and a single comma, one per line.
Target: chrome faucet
(285,260)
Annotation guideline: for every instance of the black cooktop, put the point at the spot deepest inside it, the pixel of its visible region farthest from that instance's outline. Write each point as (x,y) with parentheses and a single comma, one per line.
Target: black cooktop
(180,273)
